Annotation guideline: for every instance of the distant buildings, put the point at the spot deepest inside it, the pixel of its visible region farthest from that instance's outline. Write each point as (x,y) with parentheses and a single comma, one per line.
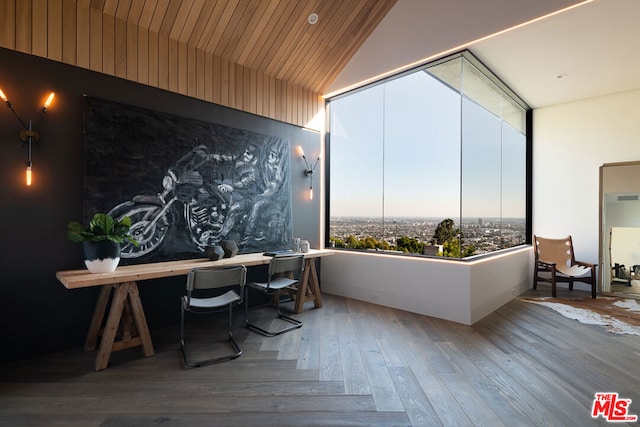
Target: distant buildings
(486,234)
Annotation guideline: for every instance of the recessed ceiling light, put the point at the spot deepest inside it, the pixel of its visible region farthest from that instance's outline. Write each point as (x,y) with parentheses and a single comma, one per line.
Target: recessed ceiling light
(313,18)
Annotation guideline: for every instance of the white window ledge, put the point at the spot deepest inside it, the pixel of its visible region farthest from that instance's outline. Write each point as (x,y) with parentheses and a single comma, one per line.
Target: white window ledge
(462,292)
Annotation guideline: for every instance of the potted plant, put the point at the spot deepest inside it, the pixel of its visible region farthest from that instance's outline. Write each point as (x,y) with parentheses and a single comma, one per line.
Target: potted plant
(101,240)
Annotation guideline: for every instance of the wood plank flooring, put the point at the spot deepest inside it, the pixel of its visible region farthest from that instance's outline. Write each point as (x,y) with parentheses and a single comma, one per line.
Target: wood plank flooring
(622,289)
(351,364)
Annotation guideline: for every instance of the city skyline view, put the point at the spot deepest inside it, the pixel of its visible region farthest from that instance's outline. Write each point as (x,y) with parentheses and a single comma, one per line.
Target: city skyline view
(440,142)
(485,234)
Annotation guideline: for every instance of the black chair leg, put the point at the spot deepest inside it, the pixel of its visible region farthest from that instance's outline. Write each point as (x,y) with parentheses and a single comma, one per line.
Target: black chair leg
(295,323)
(237,350)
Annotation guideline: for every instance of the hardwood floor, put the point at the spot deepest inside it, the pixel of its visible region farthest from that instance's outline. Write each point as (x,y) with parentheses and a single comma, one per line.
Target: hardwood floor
(623,290)
(351,364)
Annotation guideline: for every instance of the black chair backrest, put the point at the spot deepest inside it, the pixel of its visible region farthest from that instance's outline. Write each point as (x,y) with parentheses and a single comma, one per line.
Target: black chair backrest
(285,264)
(214,277)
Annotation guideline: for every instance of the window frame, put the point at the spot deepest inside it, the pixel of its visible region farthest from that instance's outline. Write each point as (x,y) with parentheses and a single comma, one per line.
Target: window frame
(506,90)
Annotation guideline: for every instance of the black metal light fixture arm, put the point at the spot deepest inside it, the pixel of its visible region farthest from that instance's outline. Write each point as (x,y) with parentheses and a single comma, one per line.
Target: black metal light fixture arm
(27,134)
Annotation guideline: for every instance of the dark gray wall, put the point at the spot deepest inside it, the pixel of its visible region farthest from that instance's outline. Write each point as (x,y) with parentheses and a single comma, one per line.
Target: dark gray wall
(37,314)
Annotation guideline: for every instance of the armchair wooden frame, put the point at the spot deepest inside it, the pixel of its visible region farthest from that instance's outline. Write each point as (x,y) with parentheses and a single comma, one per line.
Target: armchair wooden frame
(556,259)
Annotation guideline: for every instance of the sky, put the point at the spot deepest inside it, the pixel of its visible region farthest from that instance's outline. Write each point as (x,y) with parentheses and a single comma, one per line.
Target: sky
(410,128)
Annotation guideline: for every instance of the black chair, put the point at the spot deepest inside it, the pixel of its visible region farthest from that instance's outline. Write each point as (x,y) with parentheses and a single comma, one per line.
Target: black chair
(202,281)
(283,270)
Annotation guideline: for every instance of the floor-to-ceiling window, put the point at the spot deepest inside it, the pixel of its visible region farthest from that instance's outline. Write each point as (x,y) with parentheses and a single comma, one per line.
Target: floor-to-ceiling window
(432,161)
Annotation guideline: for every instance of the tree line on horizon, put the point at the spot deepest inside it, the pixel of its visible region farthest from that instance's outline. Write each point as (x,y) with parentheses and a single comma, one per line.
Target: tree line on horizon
(445,234)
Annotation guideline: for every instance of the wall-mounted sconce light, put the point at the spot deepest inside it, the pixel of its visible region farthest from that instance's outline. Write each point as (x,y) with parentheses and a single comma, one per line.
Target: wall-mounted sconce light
(308,171)
(27,134)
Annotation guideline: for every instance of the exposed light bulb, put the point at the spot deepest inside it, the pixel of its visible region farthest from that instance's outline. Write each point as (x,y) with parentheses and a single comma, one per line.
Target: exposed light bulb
(308,171)
(48,101)
(27,133)
(28,174)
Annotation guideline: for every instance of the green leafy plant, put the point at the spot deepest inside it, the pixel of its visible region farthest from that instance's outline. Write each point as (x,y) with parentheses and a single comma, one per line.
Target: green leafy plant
(101,227)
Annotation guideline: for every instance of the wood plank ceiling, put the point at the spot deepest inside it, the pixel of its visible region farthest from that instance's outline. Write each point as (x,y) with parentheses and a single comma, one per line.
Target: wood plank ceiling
(270,36)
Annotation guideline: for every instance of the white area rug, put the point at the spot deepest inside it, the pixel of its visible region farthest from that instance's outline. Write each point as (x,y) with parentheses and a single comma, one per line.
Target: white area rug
(618,315)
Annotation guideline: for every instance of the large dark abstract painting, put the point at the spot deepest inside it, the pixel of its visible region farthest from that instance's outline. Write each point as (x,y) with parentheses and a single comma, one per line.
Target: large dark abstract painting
(185,184)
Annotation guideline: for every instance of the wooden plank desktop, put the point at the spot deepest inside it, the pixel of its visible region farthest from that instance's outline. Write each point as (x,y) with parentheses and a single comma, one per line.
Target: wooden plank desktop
(126,312)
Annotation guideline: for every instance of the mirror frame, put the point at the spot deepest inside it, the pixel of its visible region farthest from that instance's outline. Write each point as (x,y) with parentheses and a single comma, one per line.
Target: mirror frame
(617,178)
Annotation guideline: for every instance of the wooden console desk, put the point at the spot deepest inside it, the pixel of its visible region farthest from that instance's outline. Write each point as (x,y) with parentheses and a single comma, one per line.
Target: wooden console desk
(126,308)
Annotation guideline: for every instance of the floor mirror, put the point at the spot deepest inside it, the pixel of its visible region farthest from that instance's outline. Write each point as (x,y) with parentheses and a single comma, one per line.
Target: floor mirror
(620,228)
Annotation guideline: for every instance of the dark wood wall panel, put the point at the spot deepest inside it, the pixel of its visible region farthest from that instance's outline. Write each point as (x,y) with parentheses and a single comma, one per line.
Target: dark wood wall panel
(34,219)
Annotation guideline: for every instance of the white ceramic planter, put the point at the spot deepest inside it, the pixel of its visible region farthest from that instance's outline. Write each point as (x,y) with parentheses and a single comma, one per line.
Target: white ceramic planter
(102,256)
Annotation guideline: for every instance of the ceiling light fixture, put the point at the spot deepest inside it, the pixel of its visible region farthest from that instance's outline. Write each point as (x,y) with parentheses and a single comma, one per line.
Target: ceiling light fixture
(313,18)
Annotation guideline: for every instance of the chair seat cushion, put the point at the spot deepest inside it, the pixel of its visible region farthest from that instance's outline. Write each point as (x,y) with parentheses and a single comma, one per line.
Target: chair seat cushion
(574,270)
(213,302)
(278,283)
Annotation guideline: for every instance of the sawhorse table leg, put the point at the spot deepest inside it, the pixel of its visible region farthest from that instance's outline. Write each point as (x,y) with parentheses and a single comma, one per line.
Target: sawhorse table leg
(125,307)
(308,287)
